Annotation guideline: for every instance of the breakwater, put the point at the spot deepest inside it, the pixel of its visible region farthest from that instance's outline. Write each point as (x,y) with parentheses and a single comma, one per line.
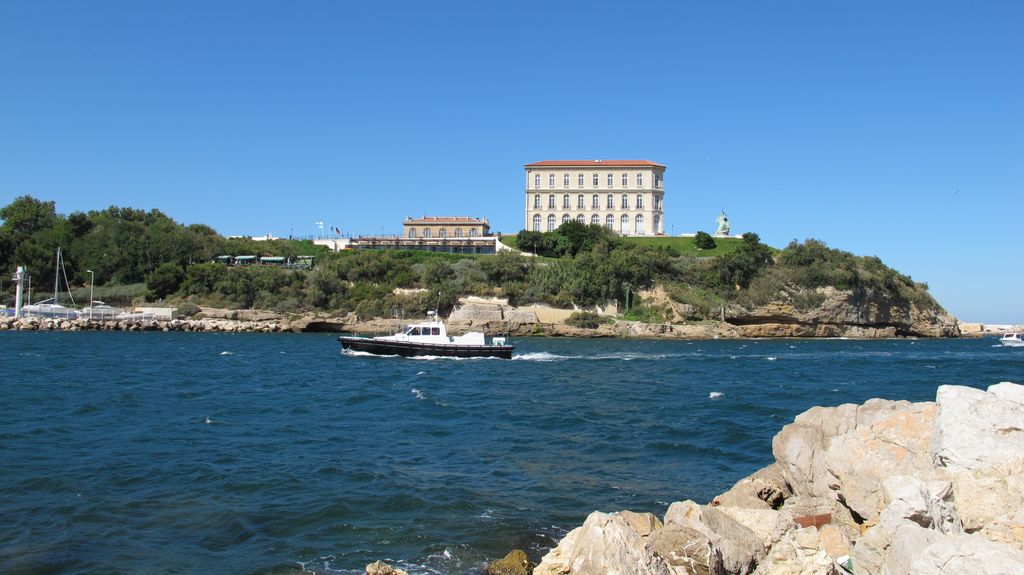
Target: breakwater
(188,325)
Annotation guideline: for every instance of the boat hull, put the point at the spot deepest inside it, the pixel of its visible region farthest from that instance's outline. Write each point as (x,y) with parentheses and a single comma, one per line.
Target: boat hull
(408,349)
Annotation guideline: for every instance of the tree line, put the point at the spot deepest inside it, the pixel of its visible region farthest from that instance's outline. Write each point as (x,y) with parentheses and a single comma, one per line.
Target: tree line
(575,265)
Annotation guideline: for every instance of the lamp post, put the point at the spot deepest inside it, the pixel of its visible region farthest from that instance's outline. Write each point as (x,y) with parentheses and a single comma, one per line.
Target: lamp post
(92,283)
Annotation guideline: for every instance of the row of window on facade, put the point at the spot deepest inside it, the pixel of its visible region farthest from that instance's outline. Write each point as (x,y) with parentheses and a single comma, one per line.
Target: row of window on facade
(595,202)
(610,179)
(442,233)
(609,222)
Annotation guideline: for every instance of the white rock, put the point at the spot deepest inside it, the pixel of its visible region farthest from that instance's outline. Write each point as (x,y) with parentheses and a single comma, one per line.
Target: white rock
(604,545)
(975,429)
(967,554)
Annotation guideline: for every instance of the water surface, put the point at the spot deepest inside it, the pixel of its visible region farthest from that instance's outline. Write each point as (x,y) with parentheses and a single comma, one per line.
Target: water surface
(255,453)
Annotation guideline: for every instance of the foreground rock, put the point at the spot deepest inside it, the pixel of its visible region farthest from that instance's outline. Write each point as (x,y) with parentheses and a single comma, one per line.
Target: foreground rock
(883,488)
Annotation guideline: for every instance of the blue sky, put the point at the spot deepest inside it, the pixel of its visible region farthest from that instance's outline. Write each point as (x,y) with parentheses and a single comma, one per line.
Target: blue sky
(893,129)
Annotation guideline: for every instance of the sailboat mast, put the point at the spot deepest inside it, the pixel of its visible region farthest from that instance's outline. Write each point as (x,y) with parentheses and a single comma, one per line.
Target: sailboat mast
(56,277)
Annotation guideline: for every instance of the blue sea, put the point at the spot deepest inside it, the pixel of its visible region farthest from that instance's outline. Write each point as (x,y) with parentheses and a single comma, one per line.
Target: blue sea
(255,453)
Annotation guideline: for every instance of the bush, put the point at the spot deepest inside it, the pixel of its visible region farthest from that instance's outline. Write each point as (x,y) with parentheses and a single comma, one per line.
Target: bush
(704,241)
(164,280)
(187,309)
(585,320)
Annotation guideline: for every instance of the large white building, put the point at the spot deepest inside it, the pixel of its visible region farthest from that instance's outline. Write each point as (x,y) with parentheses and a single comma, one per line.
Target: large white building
(623,195)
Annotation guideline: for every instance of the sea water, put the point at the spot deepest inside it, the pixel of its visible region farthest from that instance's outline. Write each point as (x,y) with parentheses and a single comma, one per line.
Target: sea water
(248,453)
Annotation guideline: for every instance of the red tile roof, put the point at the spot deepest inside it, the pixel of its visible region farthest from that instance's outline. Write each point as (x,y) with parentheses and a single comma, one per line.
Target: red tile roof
(445,220)
(595,163)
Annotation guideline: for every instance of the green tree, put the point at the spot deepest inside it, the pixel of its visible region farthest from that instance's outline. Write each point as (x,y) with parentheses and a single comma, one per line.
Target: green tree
(164,280)
(704,241)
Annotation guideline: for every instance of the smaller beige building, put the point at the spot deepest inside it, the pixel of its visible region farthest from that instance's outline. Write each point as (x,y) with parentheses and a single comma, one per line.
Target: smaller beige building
(445,227)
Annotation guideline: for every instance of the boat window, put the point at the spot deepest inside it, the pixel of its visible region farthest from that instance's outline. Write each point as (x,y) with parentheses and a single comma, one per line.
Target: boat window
(414,331)
(435,331)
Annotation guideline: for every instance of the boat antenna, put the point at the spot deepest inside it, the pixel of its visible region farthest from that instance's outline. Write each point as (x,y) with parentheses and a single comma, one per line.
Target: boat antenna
(437,310)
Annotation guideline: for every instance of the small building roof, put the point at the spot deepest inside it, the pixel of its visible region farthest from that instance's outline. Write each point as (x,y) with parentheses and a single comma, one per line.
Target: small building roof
(435,220)
(595,164)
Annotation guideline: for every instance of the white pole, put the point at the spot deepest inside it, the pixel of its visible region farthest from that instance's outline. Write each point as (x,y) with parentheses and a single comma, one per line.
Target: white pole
(18,277)
(92,282)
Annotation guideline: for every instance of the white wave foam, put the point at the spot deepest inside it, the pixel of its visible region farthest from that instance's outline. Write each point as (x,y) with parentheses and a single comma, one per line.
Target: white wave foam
(226,353)
(540,356)
(421,373)
(419,394)
(771,358)
(715,395)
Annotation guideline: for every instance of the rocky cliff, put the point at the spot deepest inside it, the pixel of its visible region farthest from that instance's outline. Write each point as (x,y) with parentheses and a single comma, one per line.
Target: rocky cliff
(883,488)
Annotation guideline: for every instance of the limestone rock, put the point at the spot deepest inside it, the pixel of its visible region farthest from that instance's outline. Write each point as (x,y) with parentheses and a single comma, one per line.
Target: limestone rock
(704,539)
(799,552)
(976,429)
(991,501)
(604,545)
(643,523)
(515,563)
(768,525)
(766,488)
(861,460)
(382,568)
(888,547)
(966,554)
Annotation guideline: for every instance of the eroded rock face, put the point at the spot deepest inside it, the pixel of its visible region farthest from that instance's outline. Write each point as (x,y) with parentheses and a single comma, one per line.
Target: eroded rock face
(515,563)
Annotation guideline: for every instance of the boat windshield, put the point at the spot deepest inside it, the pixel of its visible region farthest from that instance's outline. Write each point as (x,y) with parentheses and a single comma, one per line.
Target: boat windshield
(412,331)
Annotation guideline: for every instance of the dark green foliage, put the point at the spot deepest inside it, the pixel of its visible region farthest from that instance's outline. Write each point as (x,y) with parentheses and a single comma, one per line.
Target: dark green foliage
(570,239)
(740,267)
(164,280)
(704,241)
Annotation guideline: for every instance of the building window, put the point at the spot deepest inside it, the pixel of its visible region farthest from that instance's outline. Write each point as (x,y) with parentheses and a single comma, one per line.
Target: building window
(565,180)
(412,232)
(579,202)
(581,218)
(625,180)
(443,233)
(610,178)
(639,180)
(458,232)
(551,180)
(472,232)
(536,222)
(624,225)
(657,203)
(426,232)
(551,201)
(595,202)
(657,225)
(595,220)
(639,201)
(657,180)
(536,180)
(565,218)
(565,201)
(639,225)
(611,202)
(551,222)
(579,180)
(595,180)
(609,222)
(536,201)
(625,202)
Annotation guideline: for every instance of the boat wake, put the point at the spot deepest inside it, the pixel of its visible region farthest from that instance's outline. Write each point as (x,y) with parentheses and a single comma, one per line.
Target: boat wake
(544,356)
(715,395)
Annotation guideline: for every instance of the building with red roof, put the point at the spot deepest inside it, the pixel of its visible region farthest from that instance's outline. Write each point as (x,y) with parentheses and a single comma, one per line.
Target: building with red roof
(623,195)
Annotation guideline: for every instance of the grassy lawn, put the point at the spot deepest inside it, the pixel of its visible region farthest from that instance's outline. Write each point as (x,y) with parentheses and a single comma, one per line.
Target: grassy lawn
(686,247)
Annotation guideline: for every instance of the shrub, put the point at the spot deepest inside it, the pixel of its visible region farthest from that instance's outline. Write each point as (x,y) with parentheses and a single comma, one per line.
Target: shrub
(704,241)
(585,320)
(187,309)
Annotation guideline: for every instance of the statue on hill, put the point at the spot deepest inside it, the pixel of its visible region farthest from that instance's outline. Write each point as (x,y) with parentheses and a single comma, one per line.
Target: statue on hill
(723,225)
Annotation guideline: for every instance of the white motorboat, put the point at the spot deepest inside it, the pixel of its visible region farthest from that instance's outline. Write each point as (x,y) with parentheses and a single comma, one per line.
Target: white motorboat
(429,338)
(1012,340)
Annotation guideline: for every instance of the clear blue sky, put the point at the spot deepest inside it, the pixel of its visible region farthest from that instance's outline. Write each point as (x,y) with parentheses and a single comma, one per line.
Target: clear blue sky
(893,129)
